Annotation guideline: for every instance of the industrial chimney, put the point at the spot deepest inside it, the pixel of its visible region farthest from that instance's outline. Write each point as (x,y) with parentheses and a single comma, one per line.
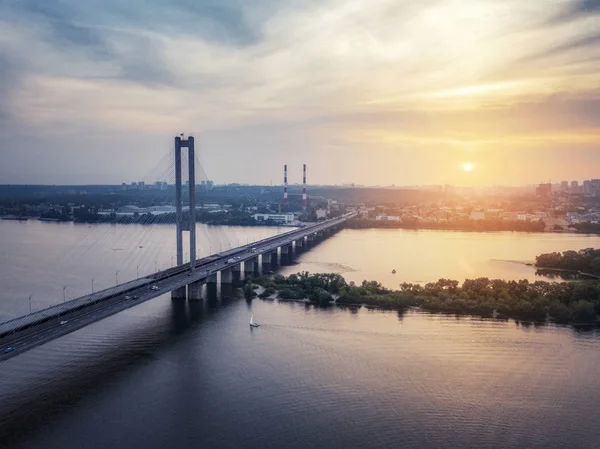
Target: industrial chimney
(285,185)
(304,198)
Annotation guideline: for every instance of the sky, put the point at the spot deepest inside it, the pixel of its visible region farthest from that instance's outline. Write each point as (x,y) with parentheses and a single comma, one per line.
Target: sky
(373,92)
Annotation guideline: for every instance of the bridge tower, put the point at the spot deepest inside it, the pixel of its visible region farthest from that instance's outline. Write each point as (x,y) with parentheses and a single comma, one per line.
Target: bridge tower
(180,143)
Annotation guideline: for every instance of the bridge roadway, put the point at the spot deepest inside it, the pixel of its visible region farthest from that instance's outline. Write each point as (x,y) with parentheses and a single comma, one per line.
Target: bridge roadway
(26,332)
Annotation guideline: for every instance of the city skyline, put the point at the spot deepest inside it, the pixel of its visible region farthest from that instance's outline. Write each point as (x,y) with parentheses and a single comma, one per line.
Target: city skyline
(376,93)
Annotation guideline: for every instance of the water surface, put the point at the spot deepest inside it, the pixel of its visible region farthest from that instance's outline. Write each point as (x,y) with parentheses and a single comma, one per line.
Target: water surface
(165,375)
(426,256)
(177,374)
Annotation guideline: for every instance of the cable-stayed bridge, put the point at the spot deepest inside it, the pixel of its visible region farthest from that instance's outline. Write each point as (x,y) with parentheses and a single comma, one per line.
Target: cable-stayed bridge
(187,280)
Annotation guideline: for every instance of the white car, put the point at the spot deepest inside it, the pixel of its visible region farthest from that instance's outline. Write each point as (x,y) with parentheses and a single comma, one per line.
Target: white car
(127,297)
(155,287)
(231,260)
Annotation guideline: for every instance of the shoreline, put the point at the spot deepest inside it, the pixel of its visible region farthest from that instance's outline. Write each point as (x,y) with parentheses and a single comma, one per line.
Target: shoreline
(496,317)
(250,225)
(572,303)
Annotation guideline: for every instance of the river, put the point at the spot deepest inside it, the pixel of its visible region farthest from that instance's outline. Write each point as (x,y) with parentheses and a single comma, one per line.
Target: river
(174,374)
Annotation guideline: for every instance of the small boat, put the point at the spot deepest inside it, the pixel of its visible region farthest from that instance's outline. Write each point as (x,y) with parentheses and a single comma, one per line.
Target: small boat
(252,323)
(393,271)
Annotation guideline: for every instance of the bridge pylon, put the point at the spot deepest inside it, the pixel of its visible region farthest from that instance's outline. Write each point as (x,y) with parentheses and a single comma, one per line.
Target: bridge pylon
(191,226)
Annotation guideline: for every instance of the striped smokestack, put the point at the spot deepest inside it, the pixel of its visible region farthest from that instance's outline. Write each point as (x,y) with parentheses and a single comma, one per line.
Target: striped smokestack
(304,199)
(285,196)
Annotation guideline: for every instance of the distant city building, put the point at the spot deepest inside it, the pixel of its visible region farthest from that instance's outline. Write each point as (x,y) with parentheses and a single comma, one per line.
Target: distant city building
(543,190)
(123,186)
(564,186)
(477,215)
(277,218)
(215,206)
(387,218)
(529,217)
(141,185)
(587,187)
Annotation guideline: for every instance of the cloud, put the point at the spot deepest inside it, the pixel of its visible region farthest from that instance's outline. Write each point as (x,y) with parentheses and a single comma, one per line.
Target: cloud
(385,73)
(578,8)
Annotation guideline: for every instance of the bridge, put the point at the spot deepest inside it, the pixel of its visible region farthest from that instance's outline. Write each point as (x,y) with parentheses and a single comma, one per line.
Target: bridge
(185,281)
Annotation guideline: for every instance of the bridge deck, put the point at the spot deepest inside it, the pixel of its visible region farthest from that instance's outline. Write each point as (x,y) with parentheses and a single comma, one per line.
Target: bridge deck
(169,279)
(58,310)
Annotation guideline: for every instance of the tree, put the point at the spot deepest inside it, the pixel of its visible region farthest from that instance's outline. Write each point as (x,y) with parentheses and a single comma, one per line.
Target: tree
(249,292)
(560,313)
(584,311)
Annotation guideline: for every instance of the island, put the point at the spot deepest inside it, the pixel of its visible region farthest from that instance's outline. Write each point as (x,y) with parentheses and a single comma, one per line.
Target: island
(575,302)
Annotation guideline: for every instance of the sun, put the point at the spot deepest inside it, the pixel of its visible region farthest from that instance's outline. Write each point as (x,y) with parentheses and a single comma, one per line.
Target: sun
(467,166)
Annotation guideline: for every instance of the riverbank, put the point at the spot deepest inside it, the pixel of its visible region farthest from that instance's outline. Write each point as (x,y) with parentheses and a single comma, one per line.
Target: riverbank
(574,303)
(473,226)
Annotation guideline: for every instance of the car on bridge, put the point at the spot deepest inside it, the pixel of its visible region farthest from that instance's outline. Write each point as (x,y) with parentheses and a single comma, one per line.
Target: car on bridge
(9,349)
(155,287)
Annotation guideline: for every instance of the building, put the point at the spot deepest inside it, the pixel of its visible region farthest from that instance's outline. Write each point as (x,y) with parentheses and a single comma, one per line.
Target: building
(587,187)
(477,215)
(141,185)
(543,190)
(564,186)
(387,218)
(575,187)
(521,216)
(276,218)
(123,186)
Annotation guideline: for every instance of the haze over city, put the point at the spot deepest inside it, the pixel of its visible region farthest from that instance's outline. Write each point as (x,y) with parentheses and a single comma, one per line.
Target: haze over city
(378,92)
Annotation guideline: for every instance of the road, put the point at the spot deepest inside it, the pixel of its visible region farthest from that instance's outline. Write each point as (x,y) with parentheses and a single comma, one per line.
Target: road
(152,287)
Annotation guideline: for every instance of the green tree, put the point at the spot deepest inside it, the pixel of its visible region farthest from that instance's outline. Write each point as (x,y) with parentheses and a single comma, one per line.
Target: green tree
(584,311)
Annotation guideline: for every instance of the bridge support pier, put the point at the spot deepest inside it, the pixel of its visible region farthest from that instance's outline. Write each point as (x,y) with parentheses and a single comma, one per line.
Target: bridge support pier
(195,290)
(268,261)
(212,286)
(259,265)
(286,255)
(237,273)
(251,267)
(179,293)
(226,282)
